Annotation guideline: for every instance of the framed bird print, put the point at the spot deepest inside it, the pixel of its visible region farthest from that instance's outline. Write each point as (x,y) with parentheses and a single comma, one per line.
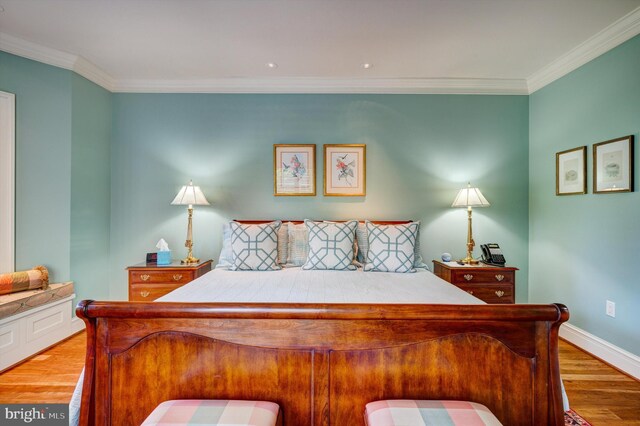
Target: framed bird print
(613,166)
(345,170)
(294,170)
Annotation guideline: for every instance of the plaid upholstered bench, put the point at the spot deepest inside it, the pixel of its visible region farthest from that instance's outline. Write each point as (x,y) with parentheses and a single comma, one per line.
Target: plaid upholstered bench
(409,412)
(211,412)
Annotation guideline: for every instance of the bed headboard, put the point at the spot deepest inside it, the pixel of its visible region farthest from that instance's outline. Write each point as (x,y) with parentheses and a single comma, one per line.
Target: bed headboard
(298,221)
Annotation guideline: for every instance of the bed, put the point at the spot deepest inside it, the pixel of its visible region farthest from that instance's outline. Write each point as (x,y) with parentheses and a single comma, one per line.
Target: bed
(321,344)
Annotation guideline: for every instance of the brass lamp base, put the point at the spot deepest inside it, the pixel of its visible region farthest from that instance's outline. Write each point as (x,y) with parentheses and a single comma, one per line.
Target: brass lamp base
(189,245)
(189,260)
(469,261)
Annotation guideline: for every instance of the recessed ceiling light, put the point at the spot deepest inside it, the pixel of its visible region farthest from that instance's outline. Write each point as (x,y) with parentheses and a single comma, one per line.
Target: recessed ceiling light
(272,65)
(366,65)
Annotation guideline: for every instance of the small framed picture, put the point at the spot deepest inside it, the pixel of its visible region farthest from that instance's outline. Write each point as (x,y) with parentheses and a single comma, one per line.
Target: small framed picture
(571,171)
(294,170)
(613,166)
(345,170)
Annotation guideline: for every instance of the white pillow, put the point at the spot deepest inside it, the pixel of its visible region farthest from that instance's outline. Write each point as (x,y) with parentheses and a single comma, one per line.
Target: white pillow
(226,254)
(391,247)
(330,245)
(255,247)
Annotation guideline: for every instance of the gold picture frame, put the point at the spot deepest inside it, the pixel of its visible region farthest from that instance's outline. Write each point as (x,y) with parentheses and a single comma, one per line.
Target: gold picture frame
(294,170)
(571,171)
(345,170)
(613,166)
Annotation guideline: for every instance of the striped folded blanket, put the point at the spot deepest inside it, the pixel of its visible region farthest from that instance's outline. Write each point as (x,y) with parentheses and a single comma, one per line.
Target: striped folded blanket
(35,278)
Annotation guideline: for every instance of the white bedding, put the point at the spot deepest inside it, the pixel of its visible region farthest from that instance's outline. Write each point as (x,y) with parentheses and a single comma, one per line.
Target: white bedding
(295,285)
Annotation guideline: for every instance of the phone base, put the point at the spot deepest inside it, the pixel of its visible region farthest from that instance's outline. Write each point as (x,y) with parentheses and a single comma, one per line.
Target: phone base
(485,262)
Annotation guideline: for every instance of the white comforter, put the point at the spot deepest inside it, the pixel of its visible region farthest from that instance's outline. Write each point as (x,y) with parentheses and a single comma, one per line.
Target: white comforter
(295,285)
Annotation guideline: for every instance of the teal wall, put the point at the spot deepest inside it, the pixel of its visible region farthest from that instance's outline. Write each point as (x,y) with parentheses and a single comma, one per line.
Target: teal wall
(420,150)
(43,162)
(584,249)
(62,173)
(90,188)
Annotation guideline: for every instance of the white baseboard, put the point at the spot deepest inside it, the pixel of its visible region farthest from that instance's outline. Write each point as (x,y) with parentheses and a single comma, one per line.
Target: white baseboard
(76,325)
(618,357)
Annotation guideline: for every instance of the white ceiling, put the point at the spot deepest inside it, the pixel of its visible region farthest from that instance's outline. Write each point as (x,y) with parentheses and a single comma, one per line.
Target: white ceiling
(138,44)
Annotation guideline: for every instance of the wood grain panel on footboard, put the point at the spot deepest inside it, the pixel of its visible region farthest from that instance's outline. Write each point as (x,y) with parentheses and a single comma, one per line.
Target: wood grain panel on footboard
(321,363)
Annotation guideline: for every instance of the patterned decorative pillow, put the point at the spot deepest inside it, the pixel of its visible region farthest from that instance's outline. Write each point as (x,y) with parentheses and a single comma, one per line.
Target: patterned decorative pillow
(226,254)
(391,247)
(355,247)
(298,249)
(330,245)
(255,247)
(363,246)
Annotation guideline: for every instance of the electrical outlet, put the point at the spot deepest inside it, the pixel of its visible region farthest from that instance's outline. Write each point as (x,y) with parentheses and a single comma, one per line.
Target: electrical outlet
(611,308)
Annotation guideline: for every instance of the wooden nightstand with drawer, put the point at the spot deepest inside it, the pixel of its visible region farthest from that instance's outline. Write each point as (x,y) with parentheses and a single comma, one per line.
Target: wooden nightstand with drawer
(148,282)
(492,284)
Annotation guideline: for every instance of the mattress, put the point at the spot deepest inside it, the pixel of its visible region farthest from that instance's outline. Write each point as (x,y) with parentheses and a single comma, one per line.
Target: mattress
(296,285)
(14,303)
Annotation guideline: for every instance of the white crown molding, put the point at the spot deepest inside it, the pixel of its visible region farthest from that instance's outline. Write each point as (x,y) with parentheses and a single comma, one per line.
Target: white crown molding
(611,354)
(57,58)
(328,85)
(37,52)
(88,70)
(615,34)
(92,73)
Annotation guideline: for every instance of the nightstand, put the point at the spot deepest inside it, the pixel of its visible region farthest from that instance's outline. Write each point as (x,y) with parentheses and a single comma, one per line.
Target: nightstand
(492,284)
(149,281)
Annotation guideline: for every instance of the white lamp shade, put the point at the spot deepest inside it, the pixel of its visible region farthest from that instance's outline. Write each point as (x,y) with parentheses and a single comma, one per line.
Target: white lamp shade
(190,195)
(470,197)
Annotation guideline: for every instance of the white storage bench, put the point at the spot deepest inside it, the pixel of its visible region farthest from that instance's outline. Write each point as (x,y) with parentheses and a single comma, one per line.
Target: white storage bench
(33,320)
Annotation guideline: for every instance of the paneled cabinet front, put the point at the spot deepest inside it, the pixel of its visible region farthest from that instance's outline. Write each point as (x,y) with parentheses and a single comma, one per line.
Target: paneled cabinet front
(492,284)
(149,282)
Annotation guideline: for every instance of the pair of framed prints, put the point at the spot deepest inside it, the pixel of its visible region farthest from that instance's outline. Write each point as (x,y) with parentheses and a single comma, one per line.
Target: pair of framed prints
(612,168)
(294,170)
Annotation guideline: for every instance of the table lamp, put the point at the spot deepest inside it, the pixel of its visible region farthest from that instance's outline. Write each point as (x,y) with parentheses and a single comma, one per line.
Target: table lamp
(190,195)
(470,197)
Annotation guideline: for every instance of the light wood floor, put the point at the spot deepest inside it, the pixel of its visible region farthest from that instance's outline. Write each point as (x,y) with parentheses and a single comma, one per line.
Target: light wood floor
(596,391)
(599,393)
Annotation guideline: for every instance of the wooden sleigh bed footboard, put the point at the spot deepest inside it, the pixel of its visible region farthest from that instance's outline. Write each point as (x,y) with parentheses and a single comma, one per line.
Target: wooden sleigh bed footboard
(321,363)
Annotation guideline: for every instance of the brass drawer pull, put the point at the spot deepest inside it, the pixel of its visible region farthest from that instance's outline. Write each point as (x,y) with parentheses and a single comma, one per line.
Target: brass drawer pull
(145,277)
(144,293)
(499,293)
(499,277)
(177,277)
(468,277)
